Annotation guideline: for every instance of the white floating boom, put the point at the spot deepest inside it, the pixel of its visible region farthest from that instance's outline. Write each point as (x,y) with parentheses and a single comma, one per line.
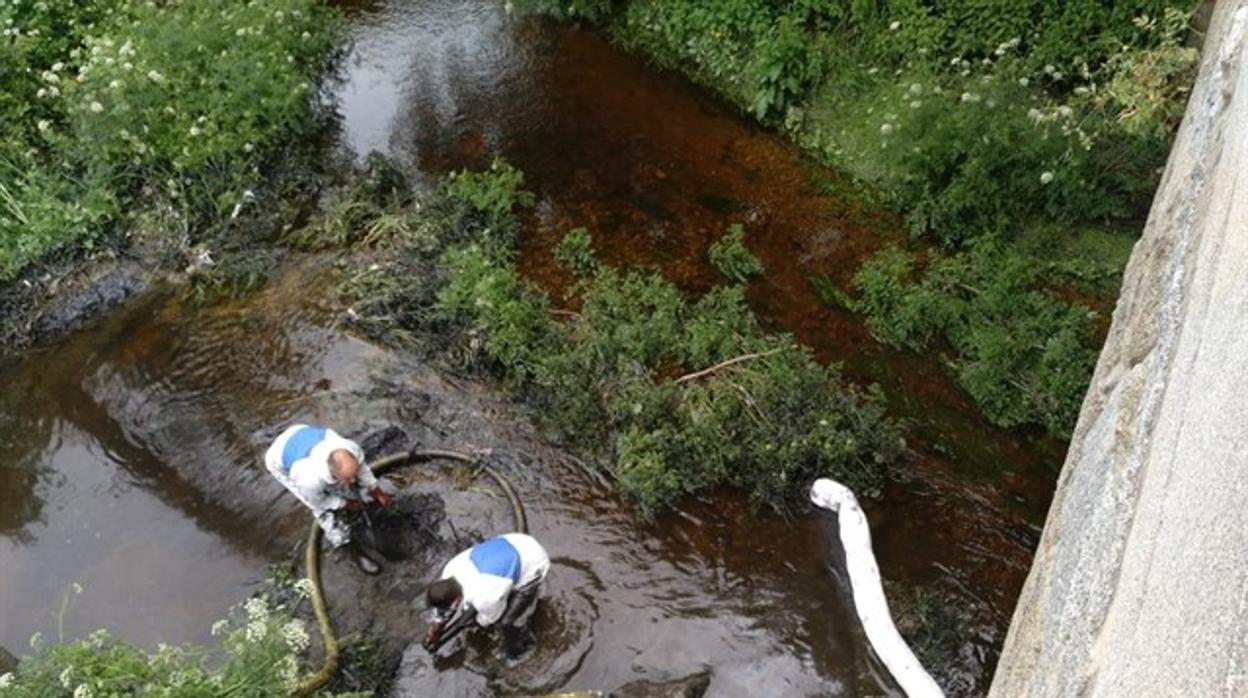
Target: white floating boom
(869,601)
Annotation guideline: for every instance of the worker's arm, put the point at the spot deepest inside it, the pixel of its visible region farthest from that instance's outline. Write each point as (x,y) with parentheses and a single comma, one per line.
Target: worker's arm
(489,601)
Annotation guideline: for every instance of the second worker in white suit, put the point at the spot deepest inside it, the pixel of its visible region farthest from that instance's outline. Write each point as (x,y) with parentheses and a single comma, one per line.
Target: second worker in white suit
(328,474)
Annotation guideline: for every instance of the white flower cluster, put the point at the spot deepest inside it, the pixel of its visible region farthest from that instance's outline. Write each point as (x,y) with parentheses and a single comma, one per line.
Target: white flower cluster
(303,587)
(296,635)
(257,608)
(6,680)
(83,691)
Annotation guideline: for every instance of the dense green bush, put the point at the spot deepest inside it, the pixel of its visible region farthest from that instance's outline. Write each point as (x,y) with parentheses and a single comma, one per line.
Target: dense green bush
(608,376)
(620,380)
(1024,355)
(109,103)
(258,656)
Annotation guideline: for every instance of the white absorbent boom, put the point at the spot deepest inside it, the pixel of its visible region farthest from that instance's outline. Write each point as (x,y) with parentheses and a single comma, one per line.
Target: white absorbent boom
(869,601)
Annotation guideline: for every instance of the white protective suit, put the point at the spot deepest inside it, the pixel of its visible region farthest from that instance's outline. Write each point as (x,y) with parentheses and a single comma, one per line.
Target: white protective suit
(488,572)
(299,459)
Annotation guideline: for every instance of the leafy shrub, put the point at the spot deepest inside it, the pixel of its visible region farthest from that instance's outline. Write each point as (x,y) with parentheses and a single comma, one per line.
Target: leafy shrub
(608,380)
(1024,355)
(757,53)
(732,258)
(576,252)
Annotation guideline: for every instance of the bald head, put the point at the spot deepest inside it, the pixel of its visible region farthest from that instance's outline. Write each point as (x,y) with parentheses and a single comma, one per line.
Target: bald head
(343,466)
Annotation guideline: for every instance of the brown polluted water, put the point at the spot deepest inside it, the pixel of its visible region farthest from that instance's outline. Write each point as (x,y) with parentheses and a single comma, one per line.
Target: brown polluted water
(129,452)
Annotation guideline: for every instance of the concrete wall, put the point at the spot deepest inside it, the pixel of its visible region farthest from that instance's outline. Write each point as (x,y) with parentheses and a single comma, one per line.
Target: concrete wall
(1140,584)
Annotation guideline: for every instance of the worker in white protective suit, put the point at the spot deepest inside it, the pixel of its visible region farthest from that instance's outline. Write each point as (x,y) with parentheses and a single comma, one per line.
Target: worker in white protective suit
(497,581)
(328,474)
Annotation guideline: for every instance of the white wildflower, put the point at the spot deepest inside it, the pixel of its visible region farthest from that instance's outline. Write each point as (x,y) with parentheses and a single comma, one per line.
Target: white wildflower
(1058,75)
(256,630)
(67,677)
(98,638)
(114,84)
(51,77)
(290,671)
(895,25)
(1035,115)
(58,67)
(1065,111)
(36,640)
(303,587)
(970,97)
(916,89)
(1046,177)
(915,104)
(155,76)
(41,93)
(6,680)
(96,107)
(886,129)
(1049,69)
(1023,82)
(257,608)
(296,635)
(240,32)
(195,131)
(247,148)
(83,691)
(220,627)
(305,36)
(127,66)
(44,125)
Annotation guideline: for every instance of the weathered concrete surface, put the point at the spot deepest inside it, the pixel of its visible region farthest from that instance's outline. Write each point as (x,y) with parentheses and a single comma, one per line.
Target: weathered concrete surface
(1140,584)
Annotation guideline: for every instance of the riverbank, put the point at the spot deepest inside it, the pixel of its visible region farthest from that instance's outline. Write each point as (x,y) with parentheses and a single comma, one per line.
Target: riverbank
(1021,145)
(161,136)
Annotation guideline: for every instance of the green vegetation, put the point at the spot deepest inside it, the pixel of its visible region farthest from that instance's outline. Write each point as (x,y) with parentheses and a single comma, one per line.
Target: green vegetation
(1022,354)
(113,109)
(991,124)
(672,395)
(732,258)
(257,655)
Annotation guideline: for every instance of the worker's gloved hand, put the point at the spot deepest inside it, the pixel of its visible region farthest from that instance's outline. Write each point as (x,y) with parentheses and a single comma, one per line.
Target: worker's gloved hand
(430,643)
(382,497)
(355,505)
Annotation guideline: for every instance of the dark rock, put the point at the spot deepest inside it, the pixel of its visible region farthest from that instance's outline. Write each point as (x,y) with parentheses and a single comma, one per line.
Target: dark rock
(7,661)
(88,298)
(689,687)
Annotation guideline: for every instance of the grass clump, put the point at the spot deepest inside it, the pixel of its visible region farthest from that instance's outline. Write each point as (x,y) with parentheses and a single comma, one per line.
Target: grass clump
(671,395)
(114,106)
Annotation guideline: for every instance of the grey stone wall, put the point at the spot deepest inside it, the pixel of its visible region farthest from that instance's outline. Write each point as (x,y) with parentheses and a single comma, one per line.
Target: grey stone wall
(1140,583)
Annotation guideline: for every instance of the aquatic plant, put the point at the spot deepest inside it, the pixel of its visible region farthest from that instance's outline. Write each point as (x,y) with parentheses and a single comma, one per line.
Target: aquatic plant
(732,258)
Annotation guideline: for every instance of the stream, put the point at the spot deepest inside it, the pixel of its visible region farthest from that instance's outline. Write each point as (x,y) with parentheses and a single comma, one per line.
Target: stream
(135,444)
